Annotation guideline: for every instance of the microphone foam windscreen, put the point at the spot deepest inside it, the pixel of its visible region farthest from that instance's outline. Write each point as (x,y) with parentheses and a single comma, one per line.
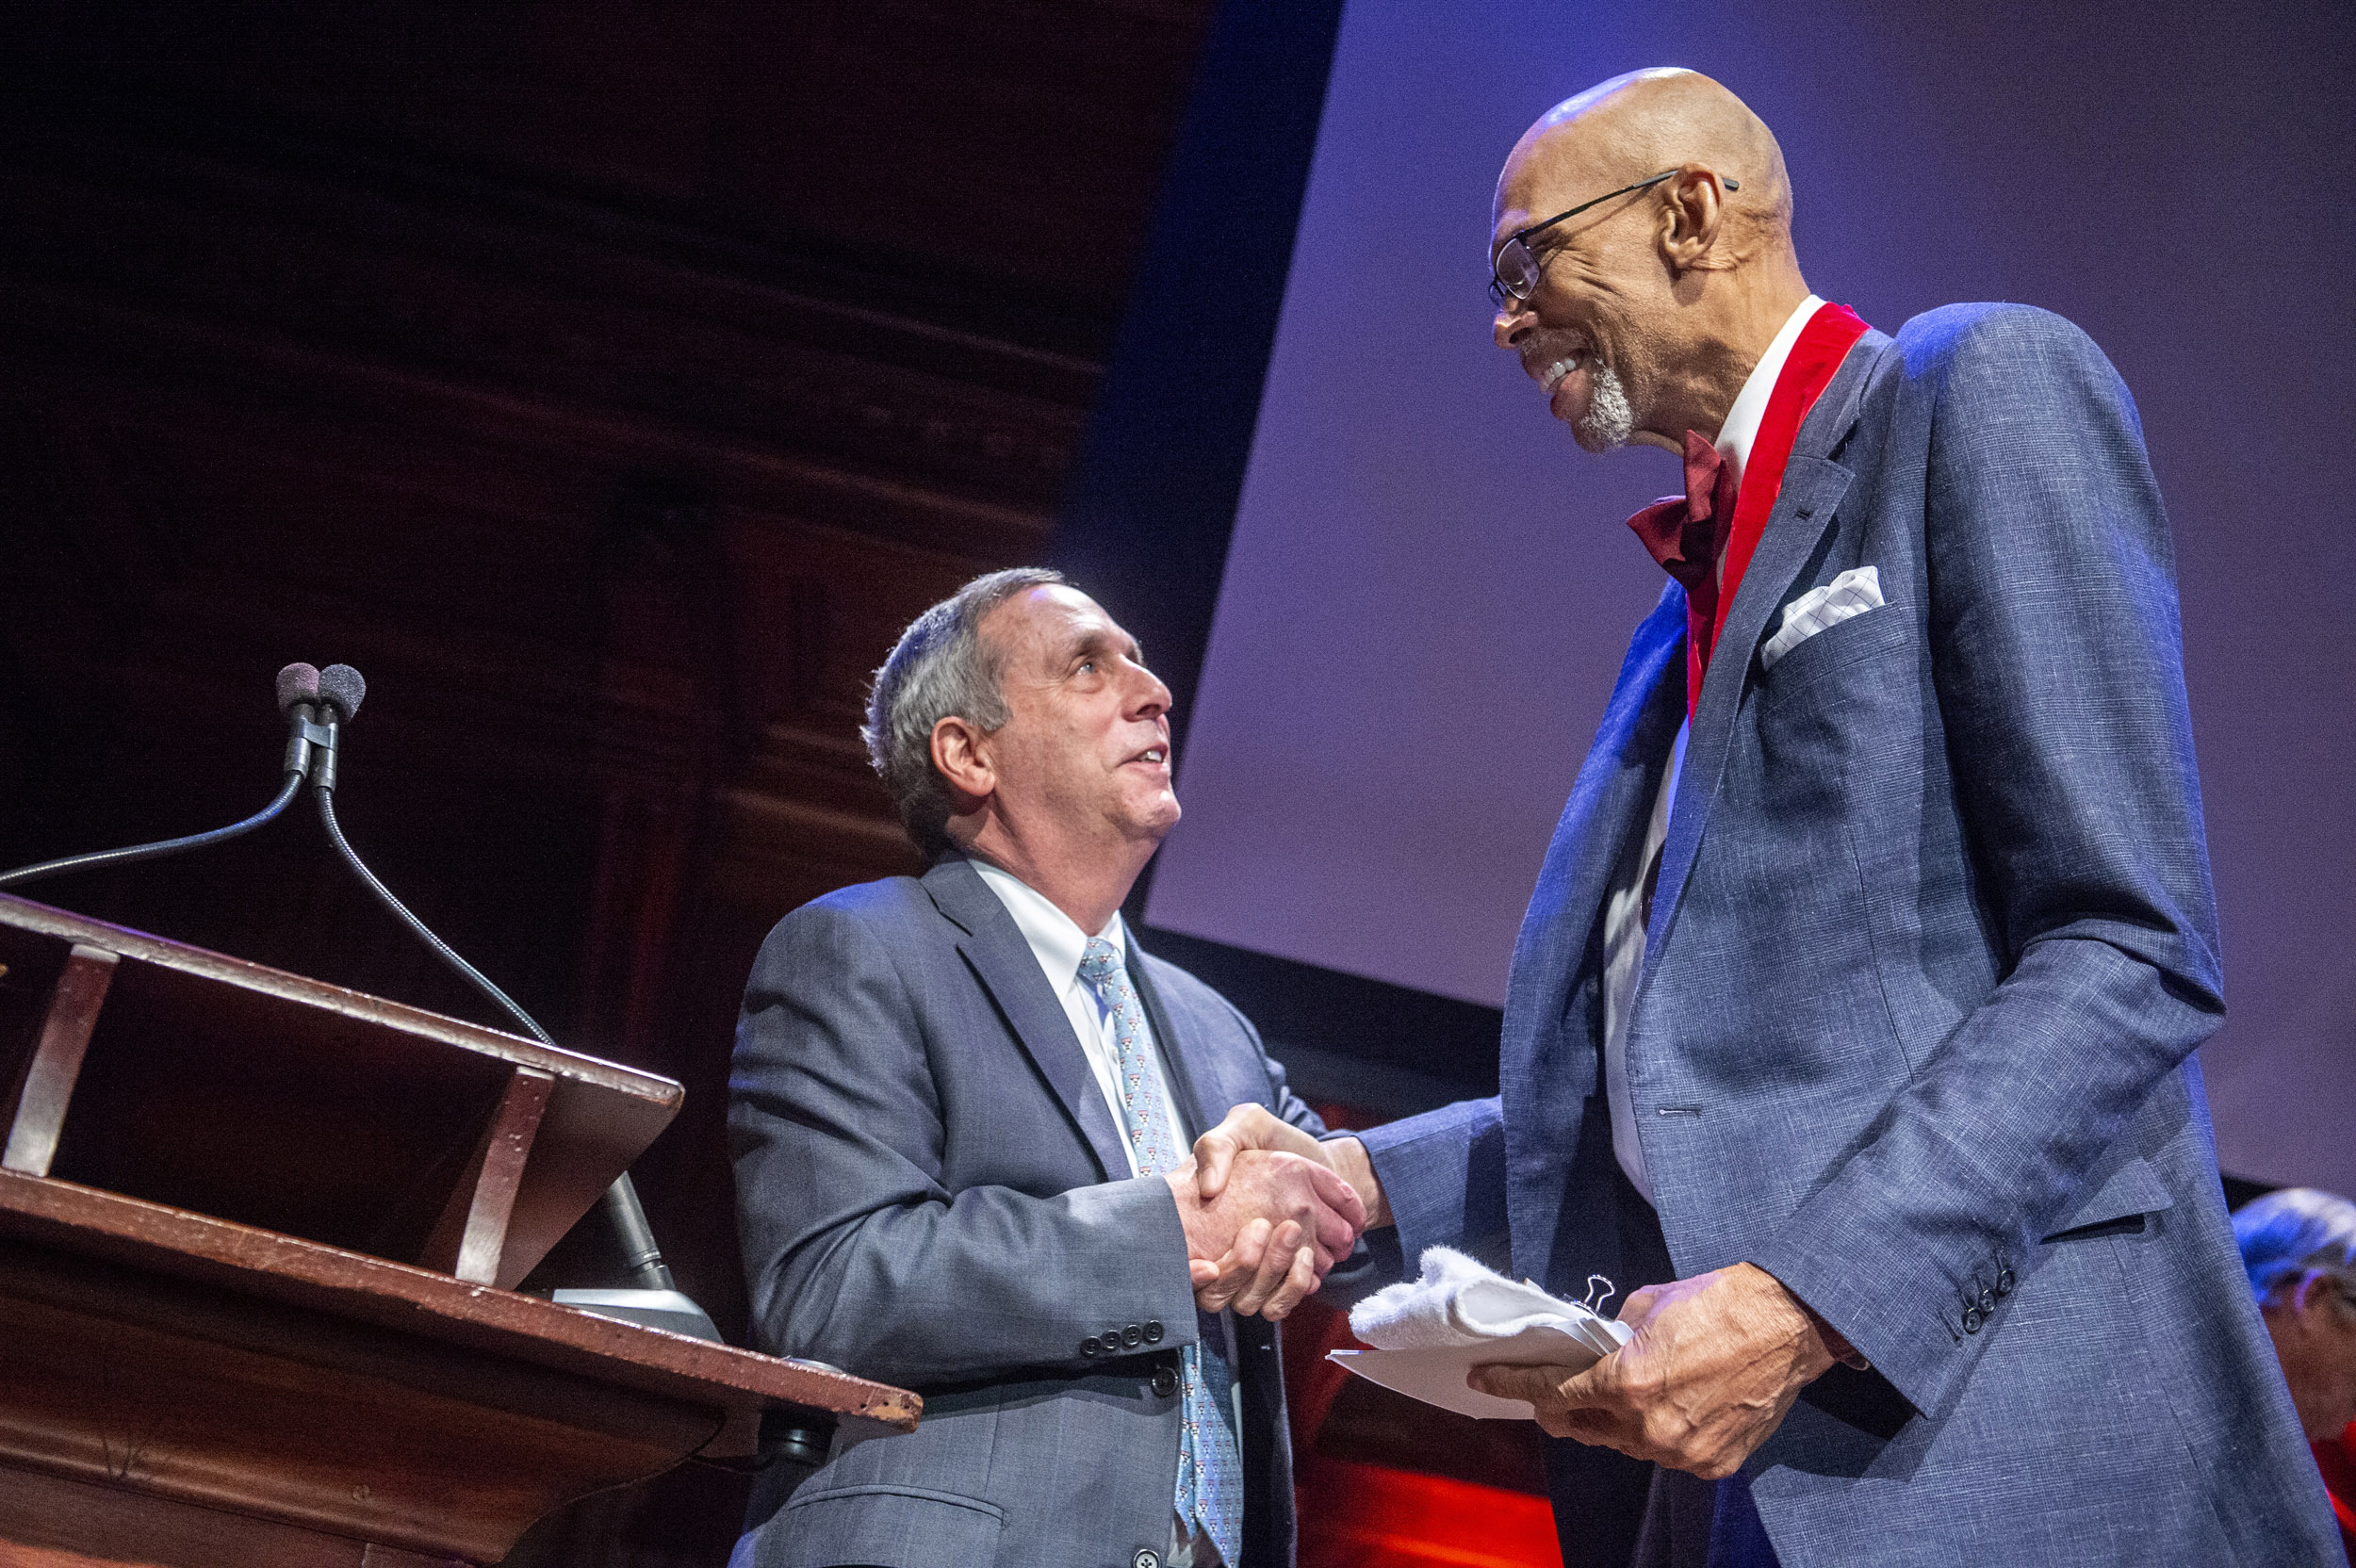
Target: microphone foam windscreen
(297,683)
(342,685)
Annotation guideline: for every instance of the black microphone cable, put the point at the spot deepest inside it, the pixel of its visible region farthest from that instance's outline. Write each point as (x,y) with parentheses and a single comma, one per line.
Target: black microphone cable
(340,693)
(298,697)
(136,853)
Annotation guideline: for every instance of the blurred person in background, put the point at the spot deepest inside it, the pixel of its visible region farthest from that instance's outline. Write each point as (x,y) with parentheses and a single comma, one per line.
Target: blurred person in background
(2299,1248)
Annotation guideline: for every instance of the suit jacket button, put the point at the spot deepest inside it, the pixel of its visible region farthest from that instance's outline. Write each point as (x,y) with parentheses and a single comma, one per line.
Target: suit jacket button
(1089,1346)
(1972,1319)
(2003,1282)
(1133,1336)
(1165,1380)
(1153,1331)
(1146,1558)
(1987,1300)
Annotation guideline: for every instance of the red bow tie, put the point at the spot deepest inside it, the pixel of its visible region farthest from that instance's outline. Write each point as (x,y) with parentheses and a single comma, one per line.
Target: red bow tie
(1687,534)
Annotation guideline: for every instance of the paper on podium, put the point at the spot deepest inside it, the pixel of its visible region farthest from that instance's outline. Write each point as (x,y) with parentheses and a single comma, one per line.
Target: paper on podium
(1427,1334)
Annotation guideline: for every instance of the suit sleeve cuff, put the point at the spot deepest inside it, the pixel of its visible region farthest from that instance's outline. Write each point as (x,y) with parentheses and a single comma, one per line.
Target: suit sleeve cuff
(1160,1291)
(1873,1284)
(1442,1174)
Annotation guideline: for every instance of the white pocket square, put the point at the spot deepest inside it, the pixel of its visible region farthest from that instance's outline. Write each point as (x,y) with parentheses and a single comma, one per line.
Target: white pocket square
(1852,593)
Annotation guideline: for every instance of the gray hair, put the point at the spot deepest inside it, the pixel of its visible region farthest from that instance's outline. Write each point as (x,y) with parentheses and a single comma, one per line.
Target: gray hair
(941,668)
(2287,1232)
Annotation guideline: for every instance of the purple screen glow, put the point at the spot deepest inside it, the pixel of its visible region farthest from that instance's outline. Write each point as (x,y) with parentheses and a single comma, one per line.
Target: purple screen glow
(1430,587)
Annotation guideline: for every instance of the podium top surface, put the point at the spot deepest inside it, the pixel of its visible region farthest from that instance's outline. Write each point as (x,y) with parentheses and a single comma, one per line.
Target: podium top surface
(422,1304)
(358,1007)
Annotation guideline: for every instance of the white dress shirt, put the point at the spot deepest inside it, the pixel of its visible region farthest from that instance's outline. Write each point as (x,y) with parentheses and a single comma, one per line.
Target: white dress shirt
(1058,944)
(1623,912)
(1750,405)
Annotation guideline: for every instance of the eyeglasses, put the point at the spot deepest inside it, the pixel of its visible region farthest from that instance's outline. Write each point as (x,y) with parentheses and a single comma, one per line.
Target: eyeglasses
(1515,273)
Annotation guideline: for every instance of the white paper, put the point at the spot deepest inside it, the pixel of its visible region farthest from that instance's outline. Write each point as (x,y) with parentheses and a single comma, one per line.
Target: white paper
(1425,1334)
(1436,1373)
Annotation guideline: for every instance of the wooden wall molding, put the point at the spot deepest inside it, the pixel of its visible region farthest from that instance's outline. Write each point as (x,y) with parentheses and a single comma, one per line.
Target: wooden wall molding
(611,388)
(503,303)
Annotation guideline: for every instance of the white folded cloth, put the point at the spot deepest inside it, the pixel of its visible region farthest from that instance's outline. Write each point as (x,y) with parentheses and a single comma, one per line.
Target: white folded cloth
(1852,593)
(1459,1301)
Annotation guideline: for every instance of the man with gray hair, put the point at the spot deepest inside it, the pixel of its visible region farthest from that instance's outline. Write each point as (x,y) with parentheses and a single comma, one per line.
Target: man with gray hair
(2298,1246)
(960,1114)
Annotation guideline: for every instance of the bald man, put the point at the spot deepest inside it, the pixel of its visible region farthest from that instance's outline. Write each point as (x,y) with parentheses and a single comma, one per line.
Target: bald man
(1854,1015)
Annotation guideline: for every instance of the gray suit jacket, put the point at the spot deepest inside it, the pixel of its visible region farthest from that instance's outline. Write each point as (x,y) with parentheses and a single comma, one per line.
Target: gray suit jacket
(1933,943)
(932,1192)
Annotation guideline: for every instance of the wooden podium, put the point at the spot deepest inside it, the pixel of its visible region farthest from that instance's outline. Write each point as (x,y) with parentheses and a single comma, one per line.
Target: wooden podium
(257,1235)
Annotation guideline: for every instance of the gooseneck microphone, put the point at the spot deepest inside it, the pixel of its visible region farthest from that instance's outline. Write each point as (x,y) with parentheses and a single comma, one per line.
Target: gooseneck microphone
(317,704)
(299,700)
(339,695)
(340,691)
(298,697)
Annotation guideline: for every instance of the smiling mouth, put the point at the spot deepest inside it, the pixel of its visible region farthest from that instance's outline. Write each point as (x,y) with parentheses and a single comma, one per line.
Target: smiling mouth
(1553,375)
(1151,754)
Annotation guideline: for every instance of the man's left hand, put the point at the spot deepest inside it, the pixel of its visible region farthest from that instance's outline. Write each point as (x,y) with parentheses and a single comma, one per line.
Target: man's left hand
(1716,1364)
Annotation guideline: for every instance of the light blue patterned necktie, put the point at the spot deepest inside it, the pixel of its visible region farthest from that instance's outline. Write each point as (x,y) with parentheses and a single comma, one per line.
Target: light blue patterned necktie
(1210,1463)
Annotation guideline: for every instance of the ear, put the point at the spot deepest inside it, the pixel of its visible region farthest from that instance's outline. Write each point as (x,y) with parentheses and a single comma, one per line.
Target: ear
(2303,1290)
(961,753)
(1693,221)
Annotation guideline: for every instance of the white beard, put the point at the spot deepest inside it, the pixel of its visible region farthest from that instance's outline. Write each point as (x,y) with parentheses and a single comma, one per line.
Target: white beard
(1609,421)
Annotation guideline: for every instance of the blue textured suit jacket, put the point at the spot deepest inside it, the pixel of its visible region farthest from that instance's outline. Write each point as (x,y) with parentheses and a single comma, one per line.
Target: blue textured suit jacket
(1933,943)
(932,1192)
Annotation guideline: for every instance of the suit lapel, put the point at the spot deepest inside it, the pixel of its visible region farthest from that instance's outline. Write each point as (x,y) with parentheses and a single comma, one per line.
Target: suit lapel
(1812,487)
(1608,798)
(1548,1073)
(1003,961)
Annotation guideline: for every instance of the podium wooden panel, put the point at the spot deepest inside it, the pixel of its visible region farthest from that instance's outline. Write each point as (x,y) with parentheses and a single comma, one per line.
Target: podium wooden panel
(164,1071)
(194,1390)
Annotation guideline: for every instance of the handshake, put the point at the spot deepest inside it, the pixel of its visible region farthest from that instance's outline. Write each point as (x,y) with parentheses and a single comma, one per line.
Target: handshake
(1268,1210)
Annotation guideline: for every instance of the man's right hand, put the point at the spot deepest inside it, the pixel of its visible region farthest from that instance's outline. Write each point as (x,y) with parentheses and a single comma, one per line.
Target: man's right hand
(1269,1269)
(1250,1126)
(1265,1239)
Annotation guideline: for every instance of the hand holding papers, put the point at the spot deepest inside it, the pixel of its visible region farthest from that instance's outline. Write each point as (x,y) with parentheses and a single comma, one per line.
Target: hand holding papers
(1428,1334)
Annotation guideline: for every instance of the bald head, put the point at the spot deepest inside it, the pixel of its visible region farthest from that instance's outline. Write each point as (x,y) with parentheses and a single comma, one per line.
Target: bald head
(1643,229)
(1634,126)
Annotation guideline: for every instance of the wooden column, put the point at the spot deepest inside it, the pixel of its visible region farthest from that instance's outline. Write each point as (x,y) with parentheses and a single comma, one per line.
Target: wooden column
(37,1117)
(467,1239)
(662,713)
